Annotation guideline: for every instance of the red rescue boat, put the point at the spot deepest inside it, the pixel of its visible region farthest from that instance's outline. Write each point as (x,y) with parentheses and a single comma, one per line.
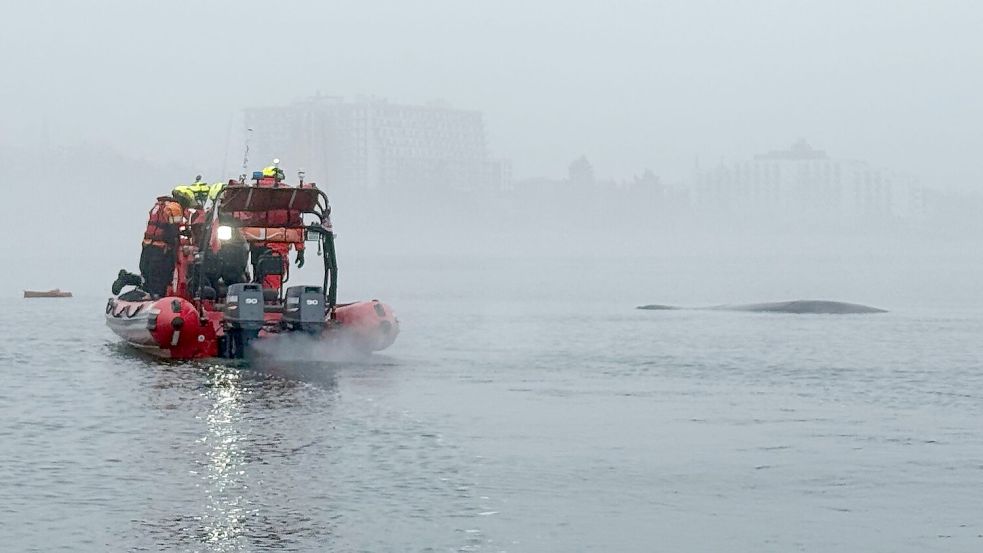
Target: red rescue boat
(198,318)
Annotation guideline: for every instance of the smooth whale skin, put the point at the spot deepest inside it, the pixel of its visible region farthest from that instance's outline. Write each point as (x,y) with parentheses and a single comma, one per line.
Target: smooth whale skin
(816,307)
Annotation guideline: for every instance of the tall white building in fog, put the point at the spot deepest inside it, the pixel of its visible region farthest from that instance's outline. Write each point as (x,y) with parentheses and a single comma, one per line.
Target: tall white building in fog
(805,183)
(372,144)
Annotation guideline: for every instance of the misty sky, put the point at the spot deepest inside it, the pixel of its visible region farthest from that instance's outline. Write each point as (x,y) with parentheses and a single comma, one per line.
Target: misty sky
(630,84)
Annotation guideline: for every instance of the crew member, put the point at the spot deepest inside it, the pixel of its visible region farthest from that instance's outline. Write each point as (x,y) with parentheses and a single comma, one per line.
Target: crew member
(160,243)
(200,189)
(273,178)
(199,192)
(282,249)
(273,172)
(214,189)
(193,213)
(225,261)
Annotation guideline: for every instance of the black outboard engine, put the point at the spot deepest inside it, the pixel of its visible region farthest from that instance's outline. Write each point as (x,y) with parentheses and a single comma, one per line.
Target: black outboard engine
(304,308)
(243,317)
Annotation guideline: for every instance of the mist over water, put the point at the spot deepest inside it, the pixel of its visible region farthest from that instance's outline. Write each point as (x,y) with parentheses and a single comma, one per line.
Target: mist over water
(109,115)
(296,348)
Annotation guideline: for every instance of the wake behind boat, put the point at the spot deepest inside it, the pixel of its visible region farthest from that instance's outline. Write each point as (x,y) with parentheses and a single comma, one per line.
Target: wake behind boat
(198,317)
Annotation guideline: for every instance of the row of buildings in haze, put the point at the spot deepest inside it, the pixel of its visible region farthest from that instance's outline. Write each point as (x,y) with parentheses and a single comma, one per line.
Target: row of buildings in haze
(806,183)
(370,145)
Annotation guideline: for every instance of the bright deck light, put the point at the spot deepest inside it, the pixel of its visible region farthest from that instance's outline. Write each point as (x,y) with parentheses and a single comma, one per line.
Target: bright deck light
(224,233)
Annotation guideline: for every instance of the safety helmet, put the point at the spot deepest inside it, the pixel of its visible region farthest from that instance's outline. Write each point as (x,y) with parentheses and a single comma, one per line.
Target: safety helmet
(183,196)
(274,170)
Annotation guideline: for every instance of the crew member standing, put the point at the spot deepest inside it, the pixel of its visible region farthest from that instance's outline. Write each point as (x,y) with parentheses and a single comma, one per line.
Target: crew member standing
(272,177)
(160,243)
(273,172)
(194,198)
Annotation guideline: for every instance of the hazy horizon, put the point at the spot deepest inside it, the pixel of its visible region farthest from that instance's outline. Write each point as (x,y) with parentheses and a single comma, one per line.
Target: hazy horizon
(139,97)
(632,85)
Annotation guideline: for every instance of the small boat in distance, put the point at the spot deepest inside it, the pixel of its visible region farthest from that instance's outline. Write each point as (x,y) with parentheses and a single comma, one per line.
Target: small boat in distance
(56,293)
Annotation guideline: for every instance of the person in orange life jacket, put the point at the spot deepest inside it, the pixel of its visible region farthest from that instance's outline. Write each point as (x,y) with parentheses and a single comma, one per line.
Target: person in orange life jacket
(282,249)
(194,212)
(273,178)
(257,250)
(160,242)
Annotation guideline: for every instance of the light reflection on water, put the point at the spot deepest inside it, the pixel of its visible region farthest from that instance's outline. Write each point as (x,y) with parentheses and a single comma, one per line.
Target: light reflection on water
(226,509)
(227,471)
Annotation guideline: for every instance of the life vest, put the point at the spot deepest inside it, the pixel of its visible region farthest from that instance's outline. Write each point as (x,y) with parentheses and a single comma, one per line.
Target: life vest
(278,218)
(164,221)
(198,192)
(214,189)
(194,220)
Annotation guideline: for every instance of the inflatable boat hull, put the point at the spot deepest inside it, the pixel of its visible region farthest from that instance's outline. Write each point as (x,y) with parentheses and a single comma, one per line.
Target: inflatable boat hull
(172,328)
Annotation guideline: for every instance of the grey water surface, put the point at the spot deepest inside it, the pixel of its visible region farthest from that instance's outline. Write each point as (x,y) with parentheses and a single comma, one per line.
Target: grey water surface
(504,422)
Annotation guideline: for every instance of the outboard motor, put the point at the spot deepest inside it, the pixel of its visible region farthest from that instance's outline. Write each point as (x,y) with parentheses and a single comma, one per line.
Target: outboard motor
(304,308)
(243,317)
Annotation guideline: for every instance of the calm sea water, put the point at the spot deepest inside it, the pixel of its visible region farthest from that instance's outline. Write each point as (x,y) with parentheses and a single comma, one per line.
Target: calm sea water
(514,414)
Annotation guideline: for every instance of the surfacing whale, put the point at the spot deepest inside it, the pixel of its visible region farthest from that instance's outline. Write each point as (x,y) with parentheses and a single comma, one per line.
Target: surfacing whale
(817,307)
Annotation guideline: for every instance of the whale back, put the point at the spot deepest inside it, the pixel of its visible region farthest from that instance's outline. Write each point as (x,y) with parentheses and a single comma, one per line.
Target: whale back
(799,307)
(817,307)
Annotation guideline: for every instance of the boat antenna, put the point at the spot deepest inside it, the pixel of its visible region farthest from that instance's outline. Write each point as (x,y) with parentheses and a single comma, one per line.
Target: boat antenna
(228,139)
(245,156)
